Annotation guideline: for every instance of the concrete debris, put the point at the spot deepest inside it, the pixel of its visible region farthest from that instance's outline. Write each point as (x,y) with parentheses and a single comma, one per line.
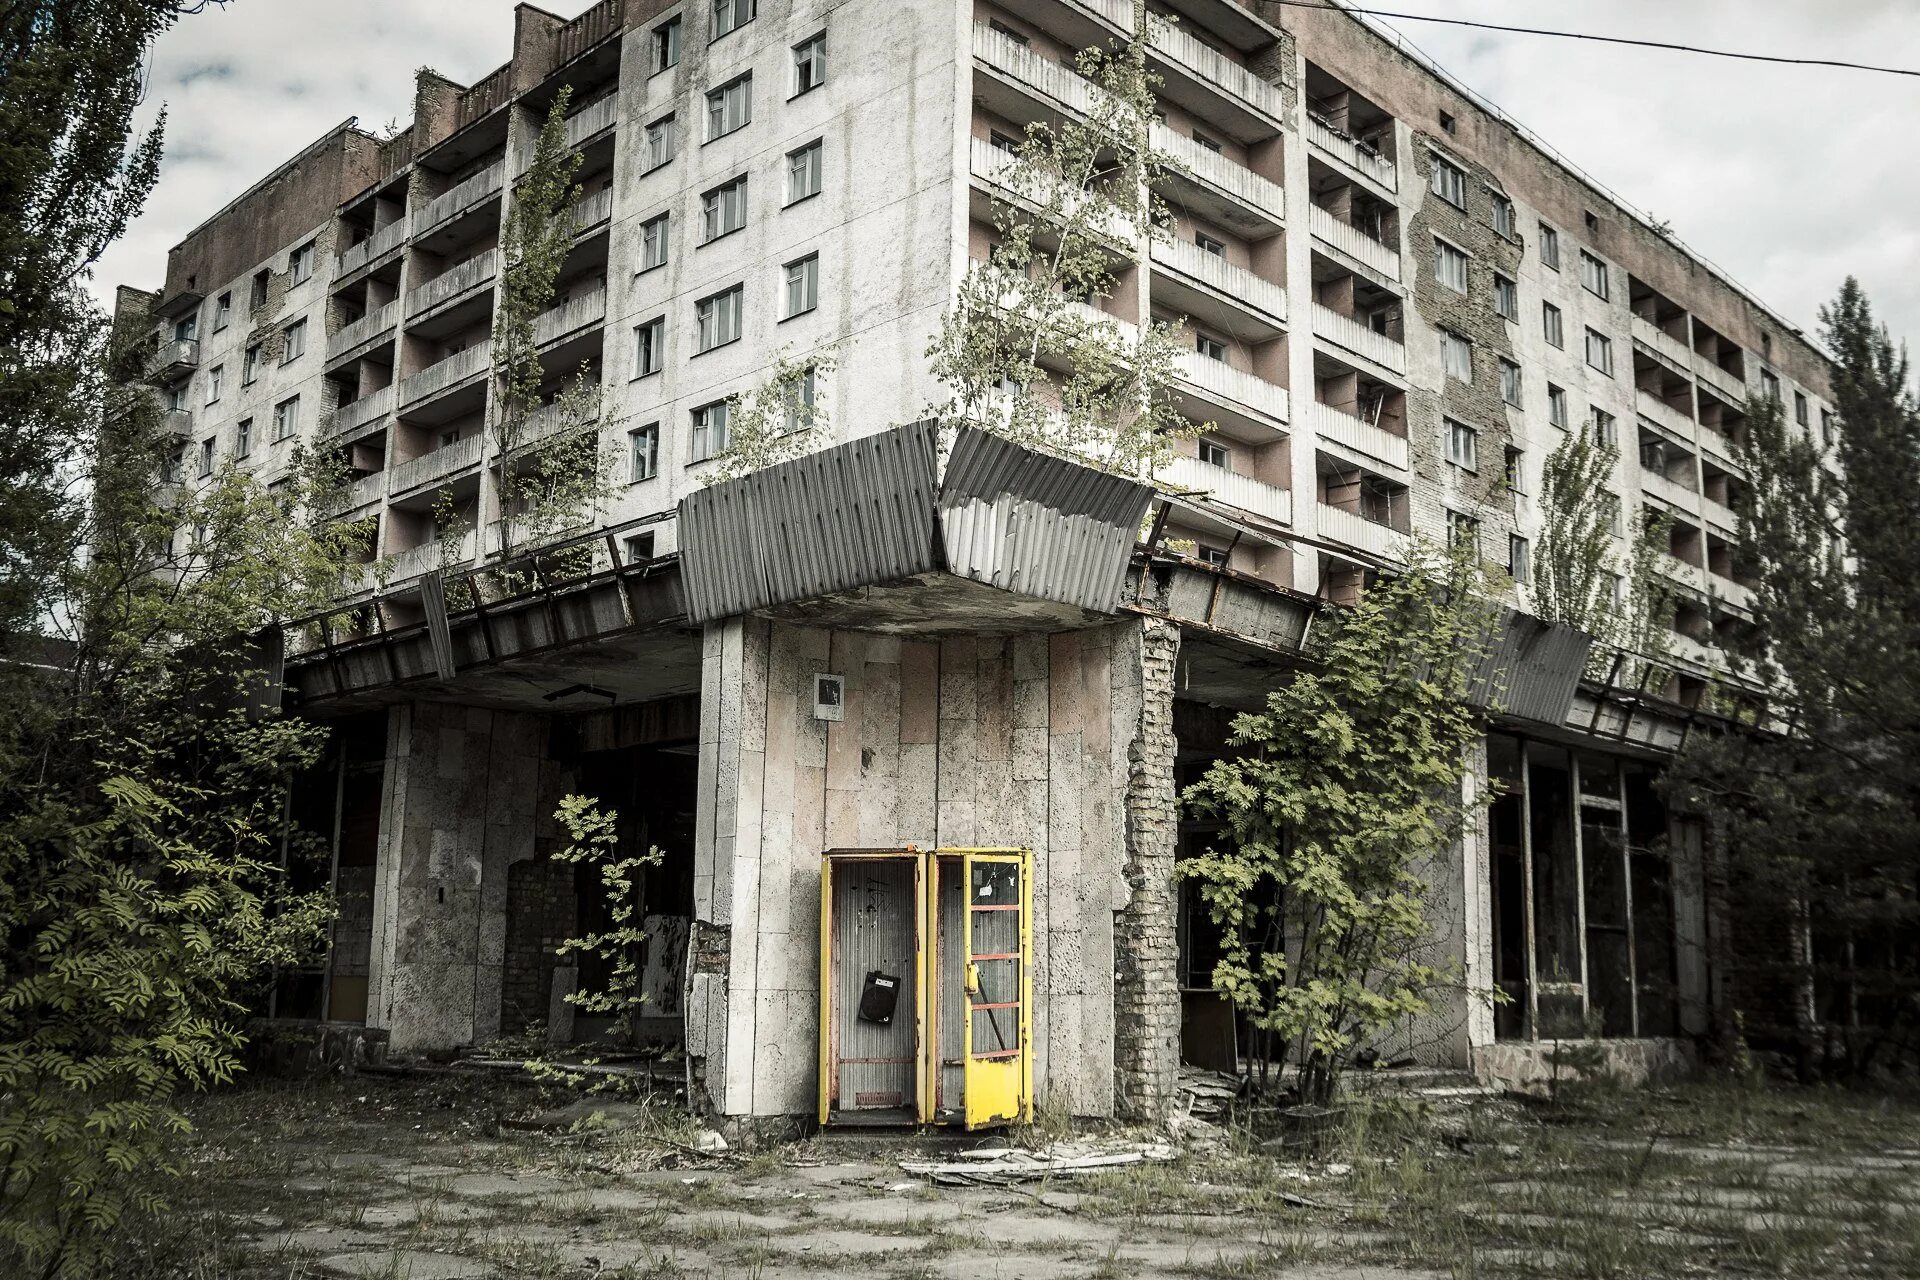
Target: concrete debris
(1010,1167)
(709,1142)
(1206,1095)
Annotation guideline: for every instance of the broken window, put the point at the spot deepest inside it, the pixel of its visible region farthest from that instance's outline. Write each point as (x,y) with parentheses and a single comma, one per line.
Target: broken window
(730,107)
(803,285)
(1449,182)
(803,172)
(643,448)
(1510,383)
(650,346)
(1503,220)
(710,430)
(1551,325)
(723,210)
(659,142)
(1506,298)
(1600,352)
(1549,247)
(809,64)
(1593,275)
(719,318)
(1456,356)
(731,15)
(666,45)
(653,242)
(1557,406)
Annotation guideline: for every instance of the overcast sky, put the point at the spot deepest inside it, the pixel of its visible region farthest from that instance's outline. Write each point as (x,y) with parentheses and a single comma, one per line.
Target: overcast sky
(1788,177)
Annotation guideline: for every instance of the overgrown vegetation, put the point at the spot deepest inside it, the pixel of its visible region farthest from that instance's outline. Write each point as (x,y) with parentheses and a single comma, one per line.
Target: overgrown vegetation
(1336,799)
(593,840)
(781,417)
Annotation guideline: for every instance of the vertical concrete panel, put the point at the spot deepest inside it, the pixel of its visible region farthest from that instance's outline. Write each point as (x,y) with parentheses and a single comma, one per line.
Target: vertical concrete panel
(919,693)
(1100,859)
(845,741)
(958,765)
(386,883)
(747,862)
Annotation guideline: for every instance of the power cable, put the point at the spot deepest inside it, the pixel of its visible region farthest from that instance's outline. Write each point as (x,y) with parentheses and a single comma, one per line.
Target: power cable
(1600,39)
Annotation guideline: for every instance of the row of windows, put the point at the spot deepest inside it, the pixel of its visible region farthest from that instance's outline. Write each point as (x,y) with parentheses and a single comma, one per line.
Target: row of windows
(710,431)
(293,345)
(286,422)
(300,262)
(718,317)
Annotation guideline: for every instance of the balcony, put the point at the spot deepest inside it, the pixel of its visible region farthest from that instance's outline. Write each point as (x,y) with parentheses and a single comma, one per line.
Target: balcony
(1352,530)
(1229,488)
(1734,593)
(1360,436)
(451,284)
(373,325)
(1671,492)
(1691,652)
(175,358)
(481,186)
(1248,395)
(593,210)
(570,317)
(1353,242)
(1664,415)
(1658,340)
(178,422)
(1343,331)
(447,374)
(374,247)
(591,120)
(427,557)
(1217,72)
(1061,87)
(448,459)
(1354,157)
(1220,176)
(1214,275)
(1717,380)
(358,413)
(987,163)
(548,420)
(359,492)
(1719,514)
(1687,575)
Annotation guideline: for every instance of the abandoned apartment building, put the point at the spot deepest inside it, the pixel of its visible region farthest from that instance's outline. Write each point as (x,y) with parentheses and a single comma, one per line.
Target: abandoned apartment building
(911,711)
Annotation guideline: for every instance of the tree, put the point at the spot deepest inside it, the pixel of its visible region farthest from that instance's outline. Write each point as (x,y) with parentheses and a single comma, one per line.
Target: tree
(1812,810)
(780,418)
(1335,801)
(1025,351)
(593,840)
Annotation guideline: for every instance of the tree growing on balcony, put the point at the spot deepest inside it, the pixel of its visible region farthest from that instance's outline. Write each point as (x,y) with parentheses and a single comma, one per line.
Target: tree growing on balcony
(781,417)
(551,475)
(1026,350)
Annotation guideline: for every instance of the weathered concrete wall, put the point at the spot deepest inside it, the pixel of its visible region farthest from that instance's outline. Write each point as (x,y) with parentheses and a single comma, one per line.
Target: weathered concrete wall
(971,741)
(1147,998)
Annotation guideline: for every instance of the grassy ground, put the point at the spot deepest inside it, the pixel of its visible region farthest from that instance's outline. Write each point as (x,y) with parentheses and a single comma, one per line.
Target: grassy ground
(418,1179)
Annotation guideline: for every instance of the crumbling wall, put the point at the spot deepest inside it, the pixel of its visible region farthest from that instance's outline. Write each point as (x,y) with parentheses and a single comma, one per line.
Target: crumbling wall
(542,912)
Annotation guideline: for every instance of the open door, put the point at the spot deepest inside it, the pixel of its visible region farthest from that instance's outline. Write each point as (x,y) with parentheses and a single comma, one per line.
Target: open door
(998,1060)
(872,987)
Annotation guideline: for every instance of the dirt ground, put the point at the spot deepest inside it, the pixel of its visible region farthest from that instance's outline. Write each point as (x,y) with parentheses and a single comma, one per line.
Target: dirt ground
(439,1179)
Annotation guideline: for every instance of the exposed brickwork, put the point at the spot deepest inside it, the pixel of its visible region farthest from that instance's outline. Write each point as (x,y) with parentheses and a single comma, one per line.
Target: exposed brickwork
(541,914)
(1146,952)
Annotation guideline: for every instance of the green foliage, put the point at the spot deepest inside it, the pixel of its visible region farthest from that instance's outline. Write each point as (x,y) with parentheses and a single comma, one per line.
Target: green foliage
(1813,824)
(594,841)
(1333,802)
(781,418)
(1019,353)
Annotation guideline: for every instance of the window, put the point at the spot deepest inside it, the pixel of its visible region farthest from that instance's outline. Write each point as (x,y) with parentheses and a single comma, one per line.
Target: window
(1215,454)
(653,242)
(710,425)
(222,311)
(659,143)
(643,449)
(803,285)
(1205,143)
(799,397)
(300,262)
(1506,298)
(1549,247)
(1552,326)
(1606,431)
(262,279)
(1449,266)
(649,347)
(215,376)
(1211,348)
(1826,427)
(186,330)
(250,366)
(1209,244)
(1519,564)
(1503,223)
(1456,356)
(295,344)
(1215,556)
(809,64)
(177,396)
(1448,182)
(1600,352)
(243,438)
(639,546)
(719,319)
(1462,530)
(1001,28)
(206,457)
(730,107)
(731,15)
(1463,445)
(723,210)
(1770,385)
(666,45)
(803,172)
(1447,121)
(171,465)
(1510,383)
(1515,470)
(1593,275)
(1593,222)
(286,416)
(1799,406)
(1557,406)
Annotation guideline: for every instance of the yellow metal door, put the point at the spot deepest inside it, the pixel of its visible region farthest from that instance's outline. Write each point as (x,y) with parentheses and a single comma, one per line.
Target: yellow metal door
(998,1070)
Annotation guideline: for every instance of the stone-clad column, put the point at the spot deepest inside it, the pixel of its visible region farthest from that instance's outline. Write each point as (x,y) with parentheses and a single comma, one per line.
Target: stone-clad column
(1147,989)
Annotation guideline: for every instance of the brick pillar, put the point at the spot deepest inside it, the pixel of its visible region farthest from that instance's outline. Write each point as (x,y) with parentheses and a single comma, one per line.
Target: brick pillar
(1146,986)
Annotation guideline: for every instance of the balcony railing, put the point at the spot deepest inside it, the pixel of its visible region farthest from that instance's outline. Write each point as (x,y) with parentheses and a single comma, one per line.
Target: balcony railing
(549,420)
(1349,529)
(177,422)
(1220,381)
(1665,415)
(1680,571)
(1363,160)
(450,284)
(571,315)
(377,245)
(1723,384)
(360,492)
(175,357)
(1719,513)
(1017,62)
(358,413)
(1669,491)
(1358,435)
(587,30)
(462,197)
(1215,69)
(1359,339)
(1216,273)
(455,369)
(1216,171)
(592,119)
(1737,594)
(1676,351)
(1229,488)
(593,210)
(368,326)
(438,465)
(429,556)
(1354,242)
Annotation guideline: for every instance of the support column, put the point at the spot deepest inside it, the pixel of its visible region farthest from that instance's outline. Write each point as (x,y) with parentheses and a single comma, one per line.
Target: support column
(1146,950)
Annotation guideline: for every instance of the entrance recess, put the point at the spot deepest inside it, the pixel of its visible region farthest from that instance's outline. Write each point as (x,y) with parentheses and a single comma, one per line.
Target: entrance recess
(926,987)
